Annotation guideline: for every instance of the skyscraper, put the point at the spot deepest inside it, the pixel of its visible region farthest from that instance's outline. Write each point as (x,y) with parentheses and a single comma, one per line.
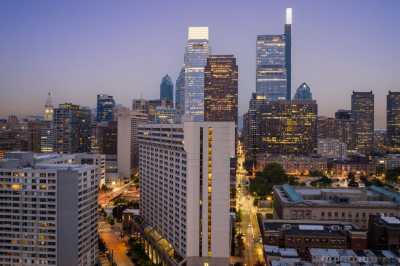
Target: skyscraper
(273,63)
(288,52)
(393,119)
(221,89)
(47,129)
(303,93)
(196,53)
(105,106)
(344,125)
(72,128)
(167,89)
(362,111)
(184,182)
(288,127)
(180,93)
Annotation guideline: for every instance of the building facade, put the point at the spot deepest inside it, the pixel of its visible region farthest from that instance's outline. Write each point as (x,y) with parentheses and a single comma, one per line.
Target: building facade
(167,89)
(72,128)
(180,93)
(303,93)
(332,149)
(334,204)
(221,89)
(362,111)
(105,108)
(393,119)
(196,53)
(184,175)
(127,142)
(48,214)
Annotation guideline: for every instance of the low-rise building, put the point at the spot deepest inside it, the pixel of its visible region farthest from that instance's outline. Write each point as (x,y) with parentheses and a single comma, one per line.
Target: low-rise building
(384,232)
(354,205)
(303,234)
(293,165)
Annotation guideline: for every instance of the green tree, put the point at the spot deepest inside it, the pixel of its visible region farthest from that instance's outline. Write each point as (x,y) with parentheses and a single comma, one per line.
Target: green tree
(392,175)
(272,174)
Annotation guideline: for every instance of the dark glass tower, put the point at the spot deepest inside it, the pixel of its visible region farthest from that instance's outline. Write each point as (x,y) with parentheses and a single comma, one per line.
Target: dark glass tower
(303,93)
(105,106)
(393,119)
(221,88)
(288,52)
(362,111)
(167,89)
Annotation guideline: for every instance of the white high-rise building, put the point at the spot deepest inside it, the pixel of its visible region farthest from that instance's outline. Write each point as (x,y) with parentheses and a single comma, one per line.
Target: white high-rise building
(48,212)
(332,148)
(196,53)
(185,181)
(127,146)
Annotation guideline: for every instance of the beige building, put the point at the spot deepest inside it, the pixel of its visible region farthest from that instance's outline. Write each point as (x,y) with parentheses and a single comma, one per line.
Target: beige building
(184,181)
(334,204)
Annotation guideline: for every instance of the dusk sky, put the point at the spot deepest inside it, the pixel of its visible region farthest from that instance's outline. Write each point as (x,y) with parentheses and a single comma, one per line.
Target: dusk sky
(77,49)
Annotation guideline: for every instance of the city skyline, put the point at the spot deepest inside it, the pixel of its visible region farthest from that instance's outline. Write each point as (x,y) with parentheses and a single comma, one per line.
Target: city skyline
(104,51)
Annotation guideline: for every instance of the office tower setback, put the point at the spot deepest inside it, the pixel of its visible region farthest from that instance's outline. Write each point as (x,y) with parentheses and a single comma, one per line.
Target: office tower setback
(273,63)
(72,128)
(303,93)
(288,127)
(105,106)
(196,53)
(180,93)
(393,119)
(221,89)
(49,214)
(167,89)
(184,181)
(362,111)
(127,144)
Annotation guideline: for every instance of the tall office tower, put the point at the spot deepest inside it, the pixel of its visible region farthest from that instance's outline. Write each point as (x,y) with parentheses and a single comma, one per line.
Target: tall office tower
(303,93)
(51,213)
(221,89)
(165,115)
(34,134)
(288,127)
(196,53)
(288,52)
(273,63)
(48,109)
(184,182)
(393,119)
(72,128)
(271,74)
(252,125)
(344,125)
(127,144)
(105,106)
(167,89)
(180,93)
(362,111)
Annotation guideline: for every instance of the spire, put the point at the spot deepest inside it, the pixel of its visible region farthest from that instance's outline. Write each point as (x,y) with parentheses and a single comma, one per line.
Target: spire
(48,100)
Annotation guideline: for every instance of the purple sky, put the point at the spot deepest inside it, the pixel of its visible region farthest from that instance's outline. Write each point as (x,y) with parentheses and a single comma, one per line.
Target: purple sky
(78,49)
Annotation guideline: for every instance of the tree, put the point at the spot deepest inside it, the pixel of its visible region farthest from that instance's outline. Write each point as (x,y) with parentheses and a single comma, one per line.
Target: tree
(272,174)
(315,173)
(248,165)
(351,180)
(324,181)
(392,175)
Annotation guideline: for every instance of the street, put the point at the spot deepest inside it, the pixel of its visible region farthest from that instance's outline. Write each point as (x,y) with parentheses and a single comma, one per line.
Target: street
(249,225)
(111,237)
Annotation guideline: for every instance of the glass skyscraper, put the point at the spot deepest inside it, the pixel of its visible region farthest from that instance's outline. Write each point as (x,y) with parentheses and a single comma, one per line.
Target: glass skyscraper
(273,63)
(180,93)
(105,106)
(362,111)
(167,89)
(197,51)
(303,93)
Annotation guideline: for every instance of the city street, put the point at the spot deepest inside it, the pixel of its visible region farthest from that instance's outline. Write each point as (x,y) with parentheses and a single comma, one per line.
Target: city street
(111,237)
(249,225)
